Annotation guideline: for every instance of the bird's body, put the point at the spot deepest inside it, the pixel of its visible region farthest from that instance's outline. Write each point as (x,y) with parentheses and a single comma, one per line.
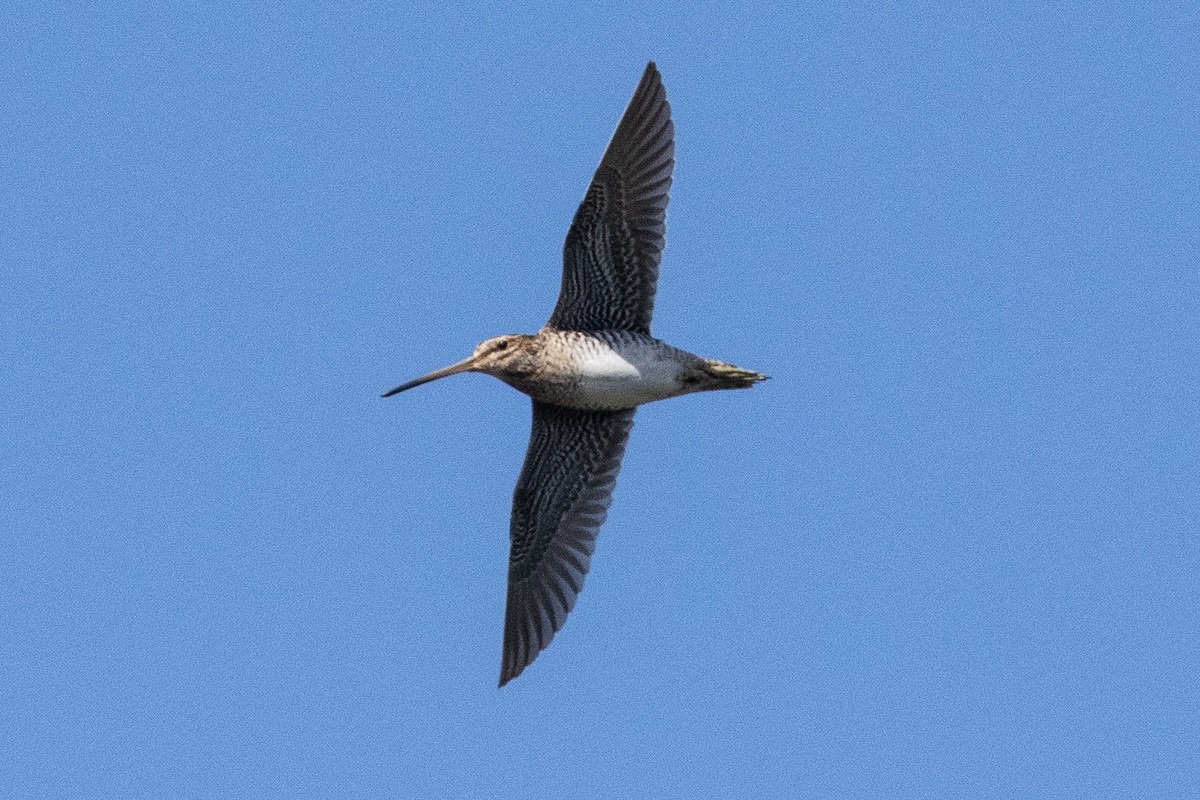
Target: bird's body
(587,370)
(613,370)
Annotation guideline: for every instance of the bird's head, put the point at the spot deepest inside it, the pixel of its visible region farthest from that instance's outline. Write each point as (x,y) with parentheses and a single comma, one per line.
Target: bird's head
(504,357)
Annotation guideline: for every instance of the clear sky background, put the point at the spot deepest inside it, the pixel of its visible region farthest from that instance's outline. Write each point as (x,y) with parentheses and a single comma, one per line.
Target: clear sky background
(950,550)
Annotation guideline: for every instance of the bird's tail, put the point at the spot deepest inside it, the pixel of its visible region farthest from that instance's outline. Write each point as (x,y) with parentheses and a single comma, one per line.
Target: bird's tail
(727,376)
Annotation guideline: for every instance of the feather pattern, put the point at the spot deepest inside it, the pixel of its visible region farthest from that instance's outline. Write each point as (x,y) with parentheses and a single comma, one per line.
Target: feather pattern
(561,500)
(613,249)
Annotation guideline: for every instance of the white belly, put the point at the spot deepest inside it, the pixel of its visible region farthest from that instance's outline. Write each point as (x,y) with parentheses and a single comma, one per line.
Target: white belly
(624,377)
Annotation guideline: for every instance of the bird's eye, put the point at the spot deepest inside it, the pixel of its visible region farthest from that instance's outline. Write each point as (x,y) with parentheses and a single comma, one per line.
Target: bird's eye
(503,343)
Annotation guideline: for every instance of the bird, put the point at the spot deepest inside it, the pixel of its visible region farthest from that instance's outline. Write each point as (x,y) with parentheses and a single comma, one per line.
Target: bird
(587,370)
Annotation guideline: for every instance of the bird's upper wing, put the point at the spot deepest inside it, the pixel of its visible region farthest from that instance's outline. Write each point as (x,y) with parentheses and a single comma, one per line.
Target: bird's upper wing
(560,502)
(612,251)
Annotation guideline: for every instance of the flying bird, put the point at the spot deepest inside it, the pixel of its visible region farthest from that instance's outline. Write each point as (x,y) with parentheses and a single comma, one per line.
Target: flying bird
(587,371)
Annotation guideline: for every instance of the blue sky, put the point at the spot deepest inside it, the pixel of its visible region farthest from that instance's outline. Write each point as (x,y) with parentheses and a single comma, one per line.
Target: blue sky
(948,551)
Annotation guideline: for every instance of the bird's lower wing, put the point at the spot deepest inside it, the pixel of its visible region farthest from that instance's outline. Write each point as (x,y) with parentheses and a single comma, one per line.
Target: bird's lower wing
(560,502)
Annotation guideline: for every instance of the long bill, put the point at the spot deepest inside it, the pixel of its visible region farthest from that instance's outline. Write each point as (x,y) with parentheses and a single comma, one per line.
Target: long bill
(463,366)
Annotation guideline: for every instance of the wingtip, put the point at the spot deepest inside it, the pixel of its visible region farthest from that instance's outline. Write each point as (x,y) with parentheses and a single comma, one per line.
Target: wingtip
(506,673)
(510,668)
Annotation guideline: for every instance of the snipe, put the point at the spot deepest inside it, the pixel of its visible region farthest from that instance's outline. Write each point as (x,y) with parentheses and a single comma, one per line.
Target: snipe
(587,370)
